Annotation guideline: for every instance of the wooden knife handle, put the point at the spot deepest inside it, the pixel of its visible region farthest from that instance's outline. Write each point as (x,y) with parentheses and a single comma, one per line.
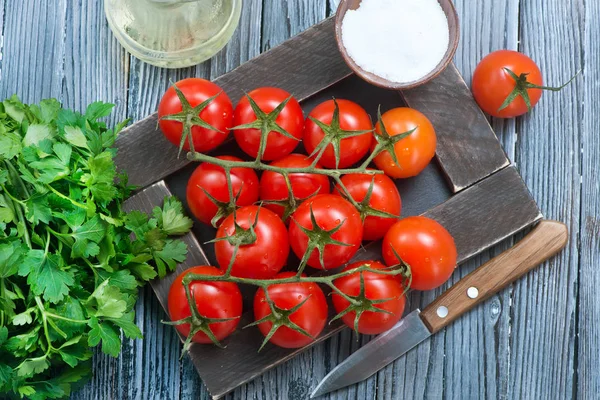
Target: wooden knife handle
(547,239)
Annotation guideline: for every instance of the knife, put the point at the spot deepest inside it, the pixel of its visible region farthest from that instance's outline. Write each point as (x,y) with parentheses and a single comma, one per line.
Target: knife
(544,241)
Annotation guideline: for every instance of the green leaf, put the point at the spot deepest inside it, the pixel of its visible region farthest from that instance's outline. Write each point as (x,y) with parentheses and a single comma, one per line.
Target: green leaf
(36,133)
(110,301)
(33,366)
(50,169)
(98,109)
(47,111)
(137,222)
(70,308)
(6,373)
(38,209)
(3,335)
(87,237)
(74,351)
(172,253)
(129,327)
(143,271)
(6,212)
(24,341)
(171,218)
(14,108)
(103,332)
(24,318)
(10,145)
(63,151)
(121,279)
(26,391)
(45,275)
(100,180)
(11,255)
(75,136)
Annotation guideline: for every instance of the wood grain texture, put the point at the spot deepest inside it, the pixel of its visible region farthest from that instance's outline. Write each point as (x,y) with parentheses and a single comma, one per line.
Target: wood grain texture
(543,242)
(588,345)
(544,326)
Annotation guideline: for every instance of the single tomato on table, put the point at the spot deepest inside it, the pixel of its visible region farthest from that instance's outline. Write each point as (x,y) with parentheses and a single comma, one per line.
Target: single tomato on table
(426,246)
(274,188)
(218,300)
(352,118)
(376,287)
(263,243)
(311,316)
(414,151)
(182,120)
(335,237)
(211,179)
(503,80)
(290,119)
(384,197)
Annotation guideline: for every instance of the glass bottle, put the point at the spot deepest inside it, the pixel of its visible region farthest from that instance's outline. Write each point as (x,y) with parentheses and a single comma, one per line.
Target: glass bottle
(173,33)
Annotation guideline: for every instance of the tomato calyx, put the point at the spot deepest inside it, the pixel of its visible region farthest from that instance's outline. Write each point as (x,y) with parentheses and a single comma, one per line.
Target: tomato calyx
(333,135)
(522,85)
(189,117)
(402,265)
(279,317)
(364,208)
(291,204)
(224,208)
(387,142)
(197,322)
(318,238)
(265,123)
(360,304)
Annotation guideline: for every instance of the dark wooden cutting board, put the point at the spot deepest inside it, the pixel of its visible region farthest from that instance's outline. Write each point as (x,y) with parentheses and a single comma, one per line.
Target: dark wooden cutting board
(470,188)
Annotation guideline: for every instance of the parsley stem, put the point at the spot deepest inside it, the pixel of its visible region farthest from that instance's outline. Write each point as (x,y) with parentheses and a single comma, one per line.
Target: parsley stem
(13,198)
(15,175)
(2,296)
(75,321)
(62,196)
(40,305)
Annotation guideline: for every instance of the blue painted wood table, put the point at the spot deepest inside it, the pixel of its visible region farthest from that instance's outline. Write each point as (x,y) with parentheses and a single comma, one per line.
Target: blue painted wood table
(538,339)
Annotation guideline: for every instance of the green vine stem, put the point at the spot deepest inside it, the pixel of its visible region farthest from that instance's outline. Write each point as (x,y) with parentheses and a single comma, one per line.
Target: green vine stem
(266,123)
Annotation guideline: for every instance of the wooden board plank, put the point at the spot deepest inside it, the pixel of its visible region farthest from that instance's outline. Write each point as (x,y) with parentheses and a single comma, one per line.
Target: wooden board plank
(543,335)
(467,149)
(588,331)
(302,66)
(465,216)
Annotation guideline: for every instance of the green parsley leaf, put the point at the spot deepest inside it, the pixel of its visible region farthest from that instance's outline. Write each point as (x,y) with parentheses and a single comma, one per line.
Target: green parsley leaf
(103,332)
(87,237)
(75,136)
(171,218)
(110,301)
(6,373)
(36,133)
(143,271)
(98,110)
(38,209)
(45,275)
(10,144)
(11,255)
(101,178)
(172,253)
(123,280)
(33,366)
(3,335)
(129,327)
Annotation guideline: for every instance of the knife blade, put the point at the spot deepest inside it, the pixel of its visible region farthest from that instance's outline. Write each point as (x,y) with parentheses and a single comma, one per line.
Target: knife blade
(547,239)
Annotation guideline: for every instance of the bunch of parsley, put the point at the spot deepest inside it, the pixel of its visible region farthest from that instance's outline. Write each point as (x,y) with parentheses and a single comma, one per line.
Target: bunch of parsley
(71,260)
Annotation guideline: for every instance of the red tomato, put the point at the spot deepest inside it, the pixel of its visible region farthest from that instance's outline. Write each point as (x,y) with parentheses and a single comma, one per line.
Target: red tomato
(213,300)
(352,118)
(218,114)
(426,246)
(212,178)
(311,317)
(330,211)
(492,84)
(290,119)
(377,287)
(413,152)
(273,186)
(261,259)
(384,197)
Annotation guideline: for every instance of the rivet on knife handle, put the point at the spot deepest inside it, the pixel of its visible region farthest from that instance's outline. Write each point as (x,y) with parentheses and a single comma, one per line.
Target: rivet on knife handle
(547,239)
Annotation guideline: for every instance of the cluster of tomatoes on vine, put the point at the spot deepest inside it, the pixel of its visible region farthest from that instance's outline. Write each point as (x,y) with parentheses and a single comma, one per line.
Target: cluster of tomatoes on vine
(322,205)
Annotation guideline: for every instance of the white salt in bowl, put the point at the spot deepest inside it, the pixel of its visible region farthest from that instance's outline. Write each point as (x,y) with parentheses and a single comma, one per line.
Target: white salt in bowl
(453,32)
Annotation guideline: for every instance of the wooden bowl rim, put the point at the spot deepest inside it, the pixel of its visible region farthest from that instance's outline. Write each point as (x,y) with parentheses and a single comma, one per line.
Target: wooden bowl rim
(384,83)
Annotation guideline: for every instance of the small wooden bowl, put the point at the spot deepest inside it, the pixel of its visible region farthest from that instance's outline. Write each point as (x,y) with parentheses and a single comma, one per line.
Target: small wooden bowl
(454,31)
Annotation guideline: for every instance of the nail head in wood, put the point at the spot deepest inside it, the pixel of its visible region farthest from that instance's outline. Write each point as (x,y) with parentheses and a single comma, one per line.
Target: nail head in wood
(472,292)
(442,311)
